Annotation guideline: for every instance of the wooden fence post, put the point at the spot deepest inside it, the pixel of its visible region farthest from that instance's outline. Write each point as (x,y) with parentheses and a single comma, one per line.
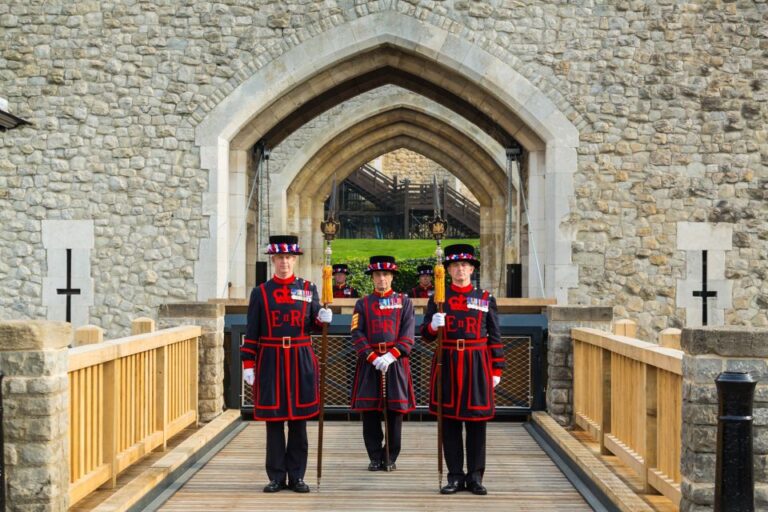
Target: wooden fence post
(142,325)
(626,328)
(605,425)
(88,334)
(161,399)
(112,419)
(670,338)
(650,457)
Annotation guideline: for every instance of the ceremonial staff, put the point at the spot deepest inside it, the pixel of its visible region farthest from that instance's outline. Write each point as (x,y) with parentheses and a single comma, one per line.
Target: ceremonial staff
(329,227)
(438,227)
(386,419)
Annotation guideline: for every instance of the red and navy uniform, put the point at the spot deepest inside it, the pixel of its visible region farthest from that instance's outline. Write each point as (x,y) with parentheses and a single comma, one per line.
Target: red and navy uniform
(420,292)
(383,323)
(471,354)
(344,291)
(281,314)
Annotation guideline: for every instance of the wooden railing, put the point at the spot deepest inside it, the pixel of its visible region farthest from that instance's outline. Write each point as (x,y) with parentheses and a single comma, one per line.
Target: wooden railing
(378,187)
(404,197)
(627,394)
(127,397)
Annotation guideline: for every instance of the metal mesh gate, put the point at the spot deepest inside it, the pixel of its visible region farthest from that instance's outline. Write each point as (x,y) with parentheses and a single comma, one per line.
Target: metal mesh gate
(515,391)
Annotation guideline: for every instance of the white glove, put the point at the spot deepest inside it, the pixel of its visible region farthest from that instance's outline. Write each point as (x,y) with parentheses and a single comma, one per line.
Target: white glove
(438,320)
(325,315)
(496,381)
(249,376)
(376,362)
(384,362)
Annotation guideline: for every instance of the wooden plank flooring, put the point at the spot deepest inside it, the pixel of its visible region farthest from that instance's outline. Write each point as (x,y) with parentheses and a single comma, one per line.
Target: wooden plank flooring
(519,476)
(657,501)
(94,499)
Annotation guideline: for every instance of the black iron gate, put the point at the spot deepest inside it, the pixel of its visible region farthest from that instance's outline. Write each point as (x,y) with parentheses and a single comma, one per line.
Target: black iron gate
(520,392)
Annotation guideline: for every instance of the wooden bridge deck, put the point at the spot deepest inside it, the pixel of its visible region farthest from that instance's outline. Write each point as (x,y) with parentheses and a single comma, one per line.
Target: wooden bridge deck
(519,476)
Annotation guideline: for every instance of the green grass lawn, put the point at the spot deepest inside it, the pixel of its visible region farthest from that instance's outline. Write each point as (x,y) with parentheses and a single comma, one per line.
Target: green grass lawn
(363,248)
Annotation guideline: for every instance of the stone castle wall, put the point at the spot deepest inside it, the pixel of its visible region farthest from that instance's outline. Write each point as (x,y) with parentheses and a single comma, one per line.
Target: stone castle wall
(669,99)
(406,164)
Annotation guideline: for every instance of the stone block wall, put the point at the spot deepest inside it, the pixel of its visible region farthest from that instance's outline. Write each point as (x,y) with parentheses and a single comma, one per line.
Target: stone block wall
(669,99)
(405,163)
(210,317)
(708,352)
(33,357)
(561,319)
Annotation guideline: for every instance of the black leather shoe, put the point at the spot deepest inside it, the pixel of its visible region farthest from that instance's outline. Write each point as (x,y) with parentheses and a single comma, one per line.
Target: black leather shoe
(274,486)
(452,488)
(477,488)
(388,467)
(299,486)
(375,465)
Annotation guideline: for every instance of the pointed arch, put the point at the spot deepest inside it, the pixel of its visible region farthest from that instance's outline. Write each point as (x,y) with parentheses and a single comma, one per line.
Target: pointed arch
(465,74)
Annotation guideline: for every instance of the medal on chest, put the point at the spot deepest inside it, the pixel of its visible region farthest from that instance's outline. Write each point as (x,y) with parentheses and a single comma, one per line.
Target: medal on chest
(301,294)
(393,302)
(477,304)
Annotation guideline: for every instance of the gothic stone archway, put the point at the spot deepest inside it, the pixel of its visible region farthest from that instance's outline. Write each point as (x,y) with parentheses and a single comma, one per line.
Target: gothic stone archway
(467,75)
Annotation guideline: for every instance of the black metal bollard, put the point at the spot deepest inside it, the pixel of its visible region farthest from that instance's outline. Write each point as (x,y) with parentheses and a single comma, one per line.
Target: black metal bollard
(734,479)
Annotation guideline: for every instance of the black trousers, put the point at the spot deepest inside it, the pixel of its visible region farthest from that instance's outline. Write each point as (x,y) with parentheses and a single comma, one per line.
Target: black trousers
(453,449)
(290,459)
(373,434)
